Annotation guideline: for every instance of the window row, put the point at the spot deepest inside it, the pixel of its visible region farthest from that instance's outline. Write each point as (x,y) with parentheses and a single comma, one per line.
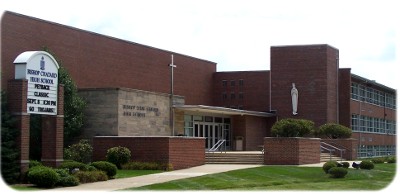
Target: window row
(373,96)
(371,151)
(232,95)
(360,123)
(232,83)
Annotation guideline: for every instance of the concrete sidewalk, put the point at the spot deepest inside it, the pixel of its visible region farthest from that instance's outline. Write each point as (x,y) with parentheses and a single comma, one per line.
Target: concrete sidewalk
(118,184)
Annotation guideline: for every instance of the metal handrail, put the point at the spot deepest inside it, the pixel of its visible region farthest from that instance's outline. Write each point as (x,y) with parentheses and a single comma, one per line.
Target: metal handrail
(217,145)
(333,148)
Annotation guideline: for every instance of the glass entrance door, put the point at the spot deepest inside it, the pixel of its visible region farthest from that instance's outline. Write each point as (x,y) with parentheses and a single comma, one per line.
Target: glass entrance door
(212,132)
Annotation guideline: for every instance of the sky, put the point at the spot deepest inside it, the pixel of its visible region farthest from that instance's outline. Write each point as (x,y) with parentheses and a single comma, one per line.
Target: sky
(238,34)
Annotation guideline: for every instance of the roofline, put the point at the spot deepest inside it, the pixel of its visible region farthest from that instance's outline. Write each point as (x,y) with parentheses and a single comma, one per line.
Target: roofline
(372,82)
(98,34)
(305,45)
(226,110)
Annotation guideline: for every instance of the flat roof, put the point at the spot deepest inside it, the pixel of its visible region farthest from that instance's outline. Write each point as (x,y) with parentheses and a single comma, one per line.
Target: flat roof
(222,110)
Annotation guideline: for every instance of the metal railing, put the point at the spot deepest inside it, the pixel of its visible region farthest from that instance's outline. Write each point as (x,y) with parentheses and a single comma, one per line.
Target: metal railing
(217,145)
(331,149)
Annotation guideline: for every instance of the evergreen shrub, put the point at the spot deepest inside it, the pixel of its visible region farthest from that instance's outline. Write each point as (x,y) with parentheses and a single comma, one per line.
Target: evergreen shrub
(328,165)
(292,128)
(70,165)
(118,156)
(90,176)
(334,131)
(337,172)
(378,160)
(366,165)
(42,176)
(109,168)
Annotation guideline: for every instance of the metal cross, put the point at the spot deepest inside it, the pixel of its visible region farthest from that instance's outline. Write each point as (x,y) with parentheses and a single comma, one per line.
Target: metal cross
(172,125)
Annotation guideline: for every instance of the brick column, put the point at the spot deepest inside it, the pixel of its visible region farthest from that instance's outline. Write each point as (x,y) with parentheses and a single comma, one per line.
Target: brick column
(53,134)
(17,104)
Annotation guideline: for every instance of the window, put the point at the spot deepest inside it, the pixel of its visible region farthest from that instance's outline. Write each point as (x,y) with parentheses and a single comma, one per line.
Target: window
(233,96)
(232,83)
(224,83)
(224,96)
(241,95)
(241,82)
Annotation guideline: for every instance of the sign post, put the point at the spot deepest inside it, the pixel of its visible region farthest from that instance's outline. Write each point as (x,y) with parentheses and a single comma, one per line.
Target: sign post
(35,90)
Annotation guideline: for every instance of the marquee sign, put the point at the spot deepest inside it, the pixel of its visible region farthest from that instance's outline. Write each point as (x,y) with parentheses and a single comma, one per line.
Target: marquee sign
(41,71)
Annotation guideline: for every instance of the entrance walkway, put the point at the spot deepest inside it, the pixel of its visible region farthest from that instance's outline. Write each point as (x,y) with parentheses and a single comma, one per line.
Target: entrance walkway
(118,184)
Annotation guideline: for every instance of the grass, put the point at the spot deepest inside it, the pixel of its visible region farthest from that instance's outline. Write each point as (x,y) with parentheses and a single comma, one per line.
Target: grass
(134,173)
(284,178)
(120,174)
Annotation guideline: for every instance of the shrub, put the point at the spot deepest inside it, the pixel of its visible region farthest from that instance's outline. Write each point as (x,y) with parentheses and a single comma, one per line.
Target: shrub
(292,128)
(334,131)
(80,152)
(109,168)
(367,165)
(70,165)
(68,181)
(43,176)
(391,159)
(328,165)
(118,155)
(148,166)
(345,164)
(337,172)
(34,163)
(90,176)
(378,160)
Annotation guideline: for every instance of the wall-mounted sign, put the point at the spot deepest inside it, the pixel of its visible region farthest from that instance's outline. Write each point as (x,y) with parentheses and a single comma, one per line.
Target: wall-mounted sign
(41,71)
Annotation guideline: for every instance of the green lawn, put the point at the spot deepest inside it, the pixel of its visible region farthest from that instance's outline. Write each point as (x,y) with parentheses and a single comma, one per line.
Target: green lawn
(284,178)
(134,173)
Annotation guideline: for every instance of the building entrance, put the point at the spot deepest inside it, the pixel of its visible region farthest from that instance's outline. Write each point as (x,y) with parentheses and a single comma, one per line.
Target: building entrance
(211,128)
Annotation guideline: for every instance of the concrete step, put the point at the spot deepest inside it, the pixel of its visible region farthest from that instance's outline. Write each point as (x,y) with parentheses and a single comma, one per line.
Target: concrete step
(325,157)
(234,158)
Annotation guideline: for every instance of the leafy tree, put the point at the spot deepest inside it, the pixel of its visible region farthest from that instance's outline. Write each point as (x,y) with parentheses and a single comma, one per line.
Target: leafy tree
(292,128)
(9,152)
(74,105)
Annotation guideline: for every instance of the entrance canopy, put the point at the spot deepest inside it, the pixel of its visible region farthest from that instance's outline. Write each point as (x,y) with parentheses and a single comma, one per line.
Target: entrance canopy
(221,110)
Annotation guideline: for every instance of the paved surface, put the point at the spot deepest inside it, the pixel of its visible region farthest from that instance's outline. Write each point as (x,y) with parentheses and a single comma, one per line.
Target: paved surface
(118,184)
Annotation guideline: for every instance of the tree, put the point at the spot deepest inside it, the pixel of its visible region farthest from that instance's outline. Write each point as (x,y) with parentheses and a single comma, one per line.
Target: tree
(74,105)
(9,150)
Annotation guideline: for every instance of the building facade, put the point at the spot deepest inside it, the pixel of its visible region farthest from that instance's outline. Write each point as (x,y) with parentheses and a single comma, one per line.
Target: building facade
(128,89)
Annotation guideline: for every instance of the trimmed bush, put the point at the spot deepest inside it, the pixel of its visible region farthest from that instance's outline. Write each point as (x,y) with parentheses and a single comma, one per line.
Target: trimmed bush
(148,166)
(109,168)
(42,176)
(337,172)
(334,131)
(391,159)
(70,165)
(34,163)
(80,152)
(345,164)
(292,128)
(378,160)
(90,176)
(328,165)
(68,181)
(367,165)
(118,156)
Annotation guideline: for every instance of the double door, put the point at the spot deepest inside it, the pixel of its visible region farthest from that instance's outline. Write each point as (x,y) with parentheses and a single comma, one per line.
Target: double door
(211,131)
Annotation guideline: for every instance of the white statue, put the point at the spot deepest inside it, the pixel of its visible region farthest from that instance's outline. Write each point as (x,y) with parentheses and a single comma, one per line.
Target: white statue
(295,98)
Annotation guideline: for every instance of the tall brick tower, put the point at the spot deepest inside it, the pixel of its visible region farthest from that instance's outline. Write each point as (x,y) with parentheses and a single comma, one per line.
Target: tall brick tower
(314,71)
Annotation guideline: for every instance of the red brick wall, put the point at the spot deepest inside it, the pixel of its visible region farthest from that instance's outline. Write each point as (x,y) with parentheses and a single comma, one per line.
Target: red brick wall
(255,89)
(95,60)
(344,97)
(373,139)
(181,152)
(313,69)
(291,151)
